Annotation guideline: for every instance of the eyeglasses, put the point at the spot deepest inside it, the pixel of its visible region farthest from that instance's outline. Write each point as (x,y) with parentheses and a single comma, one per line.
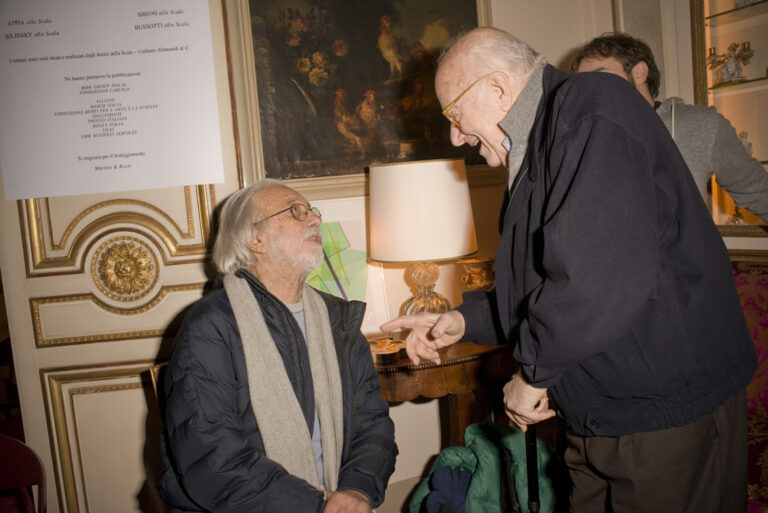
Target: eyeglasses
(299,211)
(456,100)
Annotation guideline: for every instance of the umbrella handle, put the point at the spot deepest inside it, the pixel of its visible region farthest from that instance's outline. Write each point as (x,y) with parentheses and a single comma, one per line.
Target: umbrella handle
(531,463)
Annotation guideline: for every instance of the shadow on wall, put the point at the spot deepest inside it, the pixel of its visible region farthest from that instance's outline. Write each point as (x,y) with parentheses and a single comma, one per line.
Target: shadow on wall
(567,60)
(149,500)
(148,497)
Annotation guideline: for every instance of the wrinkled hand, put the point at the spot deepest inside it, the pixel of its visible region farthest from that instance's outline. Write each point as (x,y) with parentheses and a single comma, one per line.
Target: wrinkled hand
(346,501)
(524,403)
(429,332)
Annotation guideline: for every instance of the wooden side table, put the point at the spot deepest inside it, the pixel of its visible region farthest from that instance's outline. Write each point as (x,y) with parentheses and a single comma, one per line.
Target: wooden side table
(467,380)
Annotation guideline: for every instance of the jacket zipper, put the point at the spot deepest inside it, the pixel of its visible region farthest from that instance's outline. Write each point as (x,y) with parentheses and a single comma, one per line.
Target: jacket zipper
(517,185)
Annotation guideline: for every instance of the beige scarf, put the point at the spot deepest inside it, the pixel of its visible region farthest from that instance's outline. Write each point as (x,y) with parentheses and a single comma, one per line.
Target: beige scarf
(287,439)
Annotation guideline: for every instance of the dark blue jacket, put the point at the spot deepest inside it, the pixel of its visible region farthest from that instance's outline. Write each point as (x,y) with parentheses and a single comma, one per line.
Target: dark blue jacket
(214,455)
(611,278)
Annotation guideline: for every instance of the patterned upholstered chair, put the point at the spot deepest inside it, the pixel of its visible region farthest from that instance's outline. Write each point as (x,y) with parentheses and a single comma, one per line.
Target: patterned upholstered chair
(752,283)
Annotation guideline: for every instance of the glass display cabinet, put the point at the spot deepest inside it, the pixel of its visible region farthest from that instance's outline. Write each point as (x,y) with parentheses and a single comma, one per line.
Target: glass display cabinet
(730,52)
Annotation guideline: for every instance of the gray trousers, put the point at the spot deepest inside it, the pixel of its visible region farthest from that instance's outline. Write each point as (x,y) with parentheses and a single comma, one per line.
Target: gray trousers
(700,467)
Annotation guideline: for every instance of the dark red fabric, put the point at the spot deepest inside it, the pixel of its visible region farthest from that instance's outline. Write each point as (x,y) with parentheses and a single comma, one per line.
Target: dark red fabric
(752,284)
(16,501)
(21,469)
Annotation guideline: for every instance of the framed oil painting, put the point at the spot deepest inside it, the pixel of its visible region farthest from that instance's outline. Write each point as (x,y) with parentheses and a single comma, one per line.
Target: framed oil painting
(322,88)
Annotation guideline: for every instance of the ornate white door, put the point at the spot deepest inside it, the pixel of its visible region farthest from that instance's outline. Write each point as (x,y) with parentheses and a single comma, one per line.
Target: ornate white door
(95,286)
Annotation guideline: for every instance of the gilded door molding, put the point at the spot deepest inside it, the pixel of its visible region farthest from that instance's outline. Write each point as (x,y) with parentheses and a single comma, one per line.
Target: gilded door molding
(114,255)
(165,305)
(62,387)
(45,255)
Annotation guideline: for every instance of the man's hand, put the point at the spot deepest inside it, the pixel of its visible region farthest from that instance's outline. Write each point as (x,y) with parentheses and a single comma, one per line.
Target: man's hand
(346,501)
(525,404)
(429,332)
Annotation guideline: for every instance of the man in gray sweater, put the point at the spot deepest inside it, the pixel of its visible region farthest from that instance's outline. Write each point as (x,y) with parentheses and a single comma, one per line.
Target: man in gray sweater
(705,138)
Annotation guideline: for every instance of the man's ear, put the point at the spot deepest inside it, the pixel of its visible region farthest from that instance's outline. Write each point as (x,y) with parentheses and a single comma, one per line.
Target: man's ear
(640,72)
(256,243)
(502,90)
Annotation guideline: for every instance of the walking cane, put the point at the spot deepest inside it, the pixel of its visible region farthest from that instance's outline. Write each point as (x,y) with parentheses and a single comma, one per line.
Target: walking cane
(531,463)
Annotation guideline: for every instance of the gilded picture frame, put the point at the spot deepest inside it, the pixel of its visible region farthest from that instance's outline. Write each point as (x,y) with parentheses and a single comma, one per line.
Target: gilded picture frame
(300,19)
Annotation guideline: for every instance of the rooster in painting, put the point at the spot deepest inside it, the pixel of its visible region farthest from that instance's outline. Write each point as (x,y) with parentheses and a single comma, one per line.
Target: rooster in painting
(389,47)
(414,101)
(420,53)
(367,110)
(349,125)
(435,36)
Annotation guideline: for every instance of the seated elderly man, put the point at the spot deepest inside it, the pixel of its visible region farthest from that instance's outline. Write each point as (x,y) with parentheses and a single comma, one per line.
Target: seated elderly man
(272,400)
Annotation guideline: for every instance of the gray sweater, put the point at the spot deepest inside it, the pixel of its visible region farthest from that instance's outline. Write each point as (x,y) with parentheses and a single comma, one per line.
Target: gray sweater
(710,146)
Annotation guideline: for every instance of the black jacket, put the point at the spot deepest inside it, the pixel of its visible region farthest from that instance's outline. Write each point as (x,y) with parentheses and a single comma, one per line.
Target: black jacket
(611,278)
(213,452)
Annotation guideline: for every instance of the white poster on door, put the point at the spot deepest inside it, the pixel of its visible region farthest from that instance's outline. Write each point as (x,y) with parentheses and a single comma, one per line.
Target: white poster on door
(105,96)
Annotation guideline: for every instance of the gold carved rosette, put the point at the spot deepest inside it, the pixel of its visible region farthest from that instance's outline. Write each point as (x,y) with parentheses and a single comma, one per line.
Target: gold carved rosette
(124,269)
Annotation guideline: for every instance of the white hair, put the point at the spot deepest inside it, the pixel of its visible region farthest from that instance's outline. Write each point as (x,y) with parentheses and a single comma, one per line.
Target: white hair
(489,49)
(230,251)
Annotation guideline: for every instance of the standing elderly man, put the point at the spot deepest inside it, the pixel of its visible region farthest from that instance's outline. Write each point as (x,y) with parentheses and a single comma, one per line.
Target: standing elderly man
(705,138)
(272,400)
(612,284)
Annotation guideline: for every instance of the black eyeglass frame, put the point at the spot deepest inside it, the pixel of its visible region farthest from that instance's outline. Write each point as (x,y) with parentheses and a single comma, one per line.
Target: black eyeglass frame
(299,211)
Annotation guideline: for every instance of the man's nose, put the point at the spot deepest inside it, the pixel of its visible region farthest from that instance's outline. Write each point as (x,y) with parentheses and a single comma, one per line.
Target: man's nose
(457,136)
(313,219)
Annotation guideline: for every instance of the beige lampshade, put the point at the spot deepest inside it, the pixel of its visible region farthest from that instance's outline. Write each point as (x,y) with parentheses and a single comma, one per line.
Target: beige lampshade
(420,211)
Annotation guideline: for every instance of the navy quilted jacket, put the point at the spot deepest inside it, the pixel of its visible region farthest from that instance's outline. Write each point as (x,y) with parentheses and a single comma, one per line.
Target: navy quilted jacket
(214,456)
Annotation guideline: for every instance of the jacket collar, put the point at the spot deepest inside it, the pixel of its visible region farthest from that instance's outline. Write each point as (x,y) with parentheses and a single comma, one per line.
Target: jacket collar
(519,120)
(344,315)
(515,199)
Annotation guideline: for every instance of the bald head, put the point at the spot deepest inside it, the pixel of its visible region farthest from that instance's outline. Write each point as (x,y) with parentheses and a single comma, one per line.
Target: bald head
(486,49)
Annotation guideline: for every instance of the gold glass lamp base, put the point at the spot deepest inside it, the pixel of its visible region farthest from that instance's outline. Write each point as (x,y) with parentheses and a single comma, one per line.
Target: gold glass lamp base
(424,276)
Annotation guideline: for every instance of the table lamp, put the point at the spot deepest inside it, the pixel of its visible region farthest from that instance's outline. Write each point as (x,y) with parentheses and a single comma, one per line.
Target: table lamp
(420,213)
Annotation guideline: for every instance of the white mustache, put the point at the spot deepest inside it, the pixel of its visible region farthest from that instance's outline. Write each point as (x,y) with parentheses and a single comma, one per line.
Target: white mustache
(311,233)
